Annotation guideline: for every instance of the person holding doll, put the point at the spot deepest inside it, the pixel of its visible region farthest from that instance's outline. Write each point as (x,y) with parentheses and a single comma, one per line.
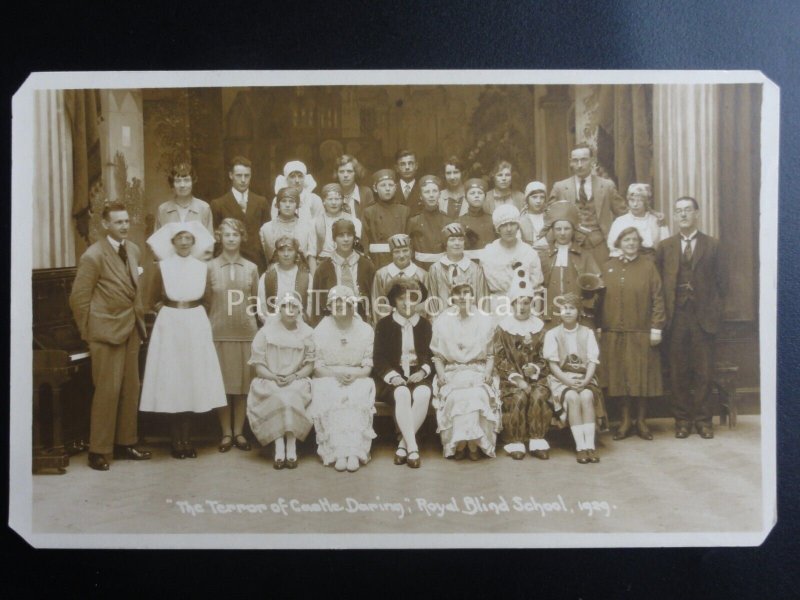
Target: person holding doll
(573,356)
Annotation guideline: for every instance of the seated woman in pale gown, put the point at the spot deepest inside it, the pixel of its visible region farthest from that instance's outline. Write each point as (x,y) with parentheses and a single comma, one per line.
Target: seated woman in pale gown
(283,357)
(182,375)
(342,391)
(466,395)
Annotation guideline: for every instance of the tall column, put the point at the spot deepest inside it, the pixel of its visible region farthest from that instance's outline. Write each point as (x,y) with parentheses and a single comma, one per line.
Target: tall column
(685,150)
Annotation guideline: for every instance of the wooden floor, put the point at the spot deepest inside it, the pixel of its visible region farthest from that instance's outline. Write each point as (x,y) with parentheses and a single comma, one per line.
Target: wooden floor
(666,485)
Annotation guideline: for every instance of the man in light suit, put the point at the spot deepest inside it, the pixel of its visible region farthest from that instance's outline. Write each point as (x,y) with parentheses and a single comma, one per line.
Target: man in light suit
(693,278)
(596,198)
(106,301)
(251,209)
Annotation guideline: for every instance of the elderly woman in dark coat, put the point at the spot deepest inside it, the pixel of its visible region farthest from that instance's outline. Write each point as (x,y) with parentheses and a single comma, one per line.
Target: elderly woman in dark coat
(403,368)
(631,320)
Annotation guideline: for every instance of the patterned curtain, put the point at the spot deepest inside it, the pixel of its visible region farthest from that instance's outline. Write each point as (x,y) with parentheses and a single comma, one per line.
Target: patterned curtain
(53,235)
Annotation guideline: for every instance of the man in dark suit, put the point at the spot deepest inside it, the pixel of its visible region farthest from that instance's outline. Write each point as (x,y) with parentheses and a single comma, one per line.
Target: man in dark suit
(596,198)
(692,274)
(406,167)
(106,302)
(251,209)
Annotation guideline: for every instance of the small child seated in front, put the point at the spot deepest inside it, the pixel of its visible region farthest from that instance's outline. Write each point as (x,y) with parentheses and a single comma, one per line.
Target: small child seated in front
(573,355)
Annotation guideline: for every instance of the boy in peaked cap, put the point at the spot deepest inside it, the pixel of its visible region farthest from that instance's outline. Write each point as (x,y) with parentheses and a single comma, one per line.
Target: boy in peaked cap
(477,222)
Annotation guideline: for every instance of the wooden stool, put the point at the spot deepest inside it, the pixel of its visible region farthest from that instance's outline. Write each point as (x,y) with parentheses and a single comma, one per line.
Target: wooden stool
(50,368)
(725,383)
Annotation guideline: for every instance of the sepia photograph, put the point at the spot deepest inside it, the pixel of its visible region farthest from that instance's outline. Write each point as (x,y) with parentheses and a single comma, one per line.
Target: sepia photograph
(394,309)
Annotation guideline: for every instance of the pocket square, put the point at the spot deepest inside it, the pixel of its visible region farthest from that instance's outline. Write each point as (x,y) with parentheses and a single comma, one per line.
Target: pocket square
(140,270)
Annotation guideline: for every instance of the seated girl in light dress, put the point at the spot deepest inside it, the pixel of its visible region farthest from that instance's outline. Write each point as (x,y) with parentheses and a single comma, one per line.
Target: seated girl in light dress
(466,394)
(573,355)
(283,357)
(342,391)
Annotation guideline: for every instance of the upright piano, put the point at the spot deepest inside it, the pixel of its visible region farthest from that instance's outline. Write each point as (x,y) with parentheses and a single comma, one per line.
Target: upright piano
(62,382)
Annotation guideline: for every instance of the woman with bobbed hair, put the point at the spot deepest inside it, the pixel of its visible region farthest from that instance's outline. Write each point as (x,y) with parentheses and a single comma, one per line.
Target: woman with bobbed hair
(234,326)
(287,273)
(403,368)
(183,206)
(348,172)
(452,197)
(502,192)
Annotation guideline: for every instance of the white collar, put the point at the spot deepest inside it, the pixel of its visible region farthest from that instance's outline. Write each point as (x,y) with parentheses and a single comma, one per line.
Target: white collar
(114,243)
(463,264)
(409,271)
(239,196)
(516,327)
(410,184)
(690,237)
(401,320)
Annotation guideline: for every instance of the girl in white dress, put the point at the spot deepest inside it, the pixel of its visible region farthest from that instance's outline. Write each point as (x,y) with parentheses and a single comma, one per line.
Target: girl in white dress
(287,222)
(342,391)
(182,374)
(466,396)
(283,356)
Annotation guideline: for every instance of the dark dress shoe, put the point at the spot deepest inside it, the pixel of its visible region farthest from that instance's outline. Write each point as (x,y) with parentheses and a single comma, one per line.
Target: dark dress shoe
(178,452)
(593,458)
(644,432)
(681,433)
(400,459)
(460,454)
(706,433)
(582,457)
(517,455)
(621,433)
(98,462)
(189,451)
(413,460)
(541,454)
(279,463)
(241,442)
(131,453)
(474,454)
(226,443)
(291,463)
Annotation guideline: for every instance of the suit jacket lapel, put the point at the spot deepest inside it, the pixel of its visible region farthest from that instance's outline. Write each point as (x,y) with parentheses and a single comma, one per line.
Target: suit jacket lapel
(115,262)
(598,198)
(699,250)
(233,205)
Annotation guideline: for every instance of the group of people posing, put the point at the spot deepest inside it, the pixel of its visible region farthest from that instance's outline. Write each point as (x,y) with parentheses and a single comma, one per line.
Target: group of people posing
(493,306)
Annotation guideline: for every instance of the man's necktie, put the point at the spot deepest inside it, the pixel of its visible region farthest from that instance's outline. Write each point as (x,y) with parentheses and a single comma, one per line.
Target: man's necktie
(582,197)
(123,254)
(453,274)
(687,251)
(347,276)
(406,189)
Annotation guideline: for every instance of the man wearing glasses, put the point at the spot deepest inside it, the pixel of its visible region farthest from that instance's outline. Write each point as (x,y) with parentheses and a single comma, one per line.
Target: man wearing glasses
(692,273)
(596,198)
